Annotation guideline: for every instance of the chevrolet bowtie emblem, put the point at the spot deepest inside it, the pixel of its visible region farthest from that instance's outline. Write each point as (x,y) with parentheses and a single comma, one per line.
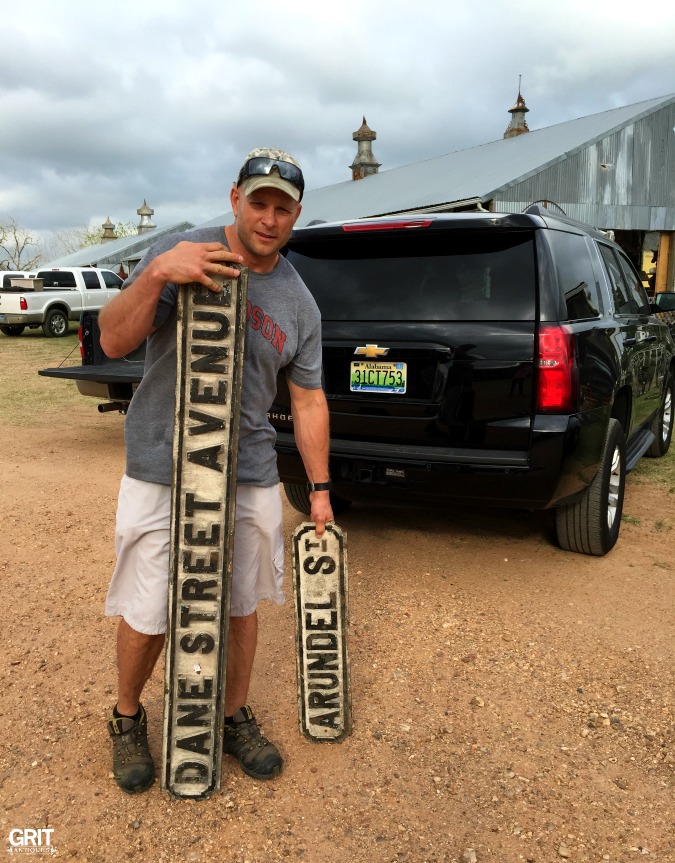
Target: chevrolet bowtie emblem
(371,351)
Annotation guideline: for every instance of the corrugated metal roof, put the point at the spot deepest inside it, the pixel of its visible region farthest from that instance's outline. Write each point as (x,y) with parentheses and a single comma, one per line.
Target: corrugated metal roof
(115,251)
(621,180)
(478,172)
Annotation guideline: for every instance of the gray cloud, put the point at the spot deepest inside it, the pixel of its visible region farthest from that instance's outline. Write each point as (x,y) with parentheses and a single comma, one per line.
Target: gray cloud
(104,106)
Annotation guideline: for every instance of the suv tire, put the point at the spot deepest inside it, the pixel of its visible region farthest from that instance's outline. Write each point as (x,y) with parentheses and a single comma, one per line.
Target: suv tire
(591,524)
(12,329)
(298,497)
(662,426)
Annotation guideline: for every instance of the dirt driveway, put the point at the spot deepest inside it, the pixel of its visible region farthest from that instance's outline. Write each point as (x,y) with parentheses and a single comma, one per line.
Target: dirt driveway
(508,697)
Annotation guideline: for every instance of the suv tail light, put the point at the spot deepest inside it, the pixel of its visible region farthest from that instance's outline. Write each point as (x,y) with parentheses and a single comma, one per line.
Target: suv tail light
(23,305)
(79,338)
(557,386)
(386,226)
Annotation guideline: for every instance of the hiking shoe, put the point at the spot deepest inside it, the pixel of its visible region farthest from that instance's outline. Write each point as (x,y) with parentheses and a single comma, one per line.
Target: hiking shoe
(132,762)
(258,757)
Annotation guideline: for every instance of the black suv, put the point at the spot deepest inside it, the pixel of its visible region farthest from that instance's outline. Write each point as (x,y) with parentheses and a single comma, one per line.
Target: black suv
(509,359)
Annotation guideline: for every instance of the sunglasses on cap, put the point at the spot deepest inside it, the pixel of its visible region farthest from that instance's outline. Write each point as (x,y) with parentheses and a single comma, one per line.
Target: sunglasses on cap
(262,166)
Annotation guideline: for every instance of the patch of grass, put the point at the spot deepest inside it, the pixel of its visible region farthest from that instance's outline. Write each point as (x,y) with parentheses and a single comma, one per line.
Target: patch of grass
(630,519)
(660,525)
(661,470)
(25,395)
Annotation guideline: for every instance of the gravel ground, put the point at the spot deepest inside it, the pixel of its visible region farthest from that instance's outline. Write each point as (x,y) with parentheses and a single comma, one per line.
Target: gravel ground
(511,701)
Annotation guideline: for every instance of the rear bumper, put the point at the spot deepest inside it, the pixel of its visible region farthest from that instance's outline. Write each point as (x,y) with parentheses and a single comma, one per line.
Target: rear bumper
(562,461)
(21,320)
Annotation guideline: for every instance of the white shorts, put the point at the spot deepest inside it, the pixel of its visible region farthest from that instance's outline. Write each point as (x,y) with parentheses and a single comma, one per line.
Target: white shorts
(139,586)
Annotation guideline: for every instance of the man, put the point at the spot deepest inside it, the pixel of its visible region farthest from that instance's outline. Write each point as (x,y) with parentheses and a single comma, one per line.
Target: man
(265,202)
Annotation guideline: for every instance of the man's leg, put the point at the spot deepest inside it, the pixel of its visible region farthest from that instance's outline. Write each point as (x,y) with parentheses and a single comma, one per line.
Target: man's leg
(241,646)
(137,654)
(258,572)
(137,592)
(241,736)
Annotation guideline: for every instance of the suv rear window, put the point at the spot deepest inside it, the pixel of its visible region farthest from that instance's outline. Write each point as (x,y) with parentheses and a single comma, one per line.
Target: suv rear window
(575,275)
(427,276)
(629,295)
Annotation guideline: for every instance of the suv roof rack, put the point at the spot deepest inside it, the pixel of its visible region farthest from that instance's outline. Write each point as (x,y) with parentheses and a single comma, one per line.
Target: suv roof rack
(544,213)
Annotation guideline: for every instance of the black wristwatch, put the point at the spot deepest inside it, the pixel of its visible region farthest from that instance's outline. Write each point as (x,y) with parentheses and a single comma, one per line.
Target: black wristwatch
(319,486)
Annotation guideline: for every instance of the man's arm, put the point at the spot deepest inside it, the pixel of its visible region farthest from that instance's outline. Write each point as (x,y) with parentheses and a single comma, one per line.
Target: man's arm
(128,318)
(310,426)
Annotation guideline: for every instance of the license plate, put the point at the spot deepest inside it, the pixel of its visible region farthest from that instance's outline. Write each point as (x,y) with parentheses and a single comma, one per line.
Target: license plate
(2,317)
(372,377)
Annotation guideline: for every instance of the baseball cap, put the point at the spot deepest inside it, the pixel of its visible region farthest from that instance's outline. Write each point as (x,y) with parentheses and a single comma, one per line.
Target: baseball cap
(270,167)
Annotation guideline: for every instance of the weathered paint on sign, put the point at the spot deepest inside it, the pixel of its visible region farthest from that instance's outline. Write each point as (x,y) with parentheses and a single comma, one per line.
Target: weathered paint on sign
(209,366)
(321,620)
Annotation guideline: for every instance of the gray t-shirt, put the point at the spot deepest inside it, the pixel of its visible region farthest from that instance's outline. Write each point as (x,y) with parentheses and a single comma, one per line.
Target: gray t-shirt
(283,330)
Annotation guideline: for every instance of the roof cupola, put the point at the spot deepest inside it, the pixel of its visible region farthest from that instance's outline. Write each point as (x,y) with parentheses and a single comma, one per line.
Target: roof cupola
(364,162)
(108,231)
(145,223)
(518,125)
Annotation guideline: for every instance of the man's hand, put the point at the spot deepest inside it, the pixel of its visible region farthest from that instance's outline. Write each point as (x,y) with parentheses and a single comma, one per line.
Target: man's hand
(322,511)
(196,262)
(128,318)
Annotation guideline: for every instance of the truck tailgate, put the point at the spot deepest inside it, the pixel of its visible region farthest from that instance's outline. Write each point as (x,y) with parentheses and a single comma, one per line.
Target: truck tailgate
(115,371)
(10,303)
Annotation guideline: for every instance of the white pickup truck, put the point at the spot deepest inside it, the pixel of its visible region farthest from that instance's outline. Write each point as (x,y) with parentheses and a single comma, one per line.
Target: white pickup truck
(50,298)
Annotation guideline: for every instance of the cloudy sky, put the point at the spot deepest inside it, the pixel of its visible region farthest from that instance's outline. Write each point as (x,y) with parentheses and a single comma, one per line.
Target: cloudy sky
(105,104)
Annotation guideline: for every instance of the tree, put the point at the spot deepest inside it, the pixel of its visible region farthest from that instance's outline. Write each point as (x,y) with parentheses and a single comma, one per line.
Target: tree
(18,247)
(24,250)
(93,236)
(69,240)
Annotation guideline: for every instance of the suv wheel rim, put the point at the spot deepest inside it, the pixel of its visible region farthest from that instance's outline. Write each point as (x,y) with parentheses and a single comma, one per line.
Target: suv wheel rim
(614,487)
(667,415)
